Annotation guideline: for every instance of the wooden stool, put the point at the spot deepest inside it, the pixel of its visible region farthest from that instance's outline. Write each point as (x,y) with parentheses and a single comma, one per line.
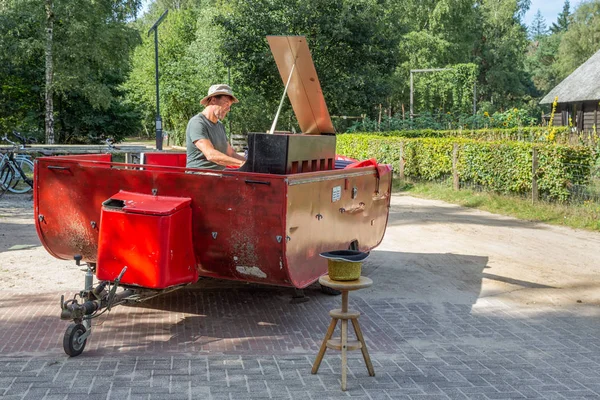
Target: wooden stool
(344,314)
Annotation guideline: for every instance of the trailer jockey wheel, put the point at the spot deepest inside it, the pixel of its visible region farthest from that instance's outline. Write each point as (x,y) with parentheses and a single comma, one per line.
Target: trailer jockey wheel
(71,343)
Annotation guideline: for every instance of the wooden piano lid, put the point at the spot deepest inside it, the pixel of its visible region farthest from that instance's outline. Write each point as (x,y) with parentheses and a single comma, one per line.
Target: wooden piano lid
(304,90)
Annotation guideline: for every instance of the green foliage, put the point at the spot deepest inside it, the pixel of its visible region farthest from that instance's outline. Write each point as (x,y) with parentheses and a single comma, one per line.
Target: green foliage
(512,118)
(363,52)
(500,52)
(562,22)
(538,28)
(541,62)
(363,146)
(559,135)
(188,64)
(353,45)
(501,166)
(21,72)
(581,40)
(448,91)
(91,46)
(434,34)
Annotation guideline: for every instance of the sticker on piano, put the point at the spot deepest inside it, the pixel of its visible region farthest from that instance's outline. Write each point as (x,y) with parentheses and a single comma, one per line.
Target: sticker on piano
(336,193)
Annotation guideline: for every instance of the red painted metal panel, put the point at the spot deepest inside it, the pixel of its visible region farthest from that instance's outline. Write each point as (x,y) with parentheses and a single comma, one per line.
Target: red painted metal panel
(154,241)
(237,222)
(245,226)
(168,159)
(138,203)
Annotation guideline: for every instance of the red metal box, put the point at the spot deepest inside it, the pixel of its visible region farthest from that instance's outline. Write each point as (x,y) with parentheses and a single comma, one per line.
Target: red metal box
(151,235)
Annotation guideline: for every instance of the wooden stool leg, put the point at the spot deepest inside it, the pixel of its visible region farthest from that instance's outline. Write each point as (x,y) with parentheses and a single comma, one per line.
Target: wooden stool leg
(328,335)
(365,353)
(344,351)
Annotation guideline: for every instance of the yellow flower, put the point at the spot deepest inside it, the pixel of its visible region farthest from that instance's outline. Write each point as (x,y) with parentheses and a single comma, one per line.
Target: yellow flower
(486,114)
(505,124)
(515,109)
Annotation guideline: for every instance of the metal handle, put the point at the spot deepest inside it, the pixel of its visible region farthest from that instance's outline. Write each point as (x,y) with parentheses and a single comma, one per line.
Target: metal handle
(57,167)
(360,207)
(248,181)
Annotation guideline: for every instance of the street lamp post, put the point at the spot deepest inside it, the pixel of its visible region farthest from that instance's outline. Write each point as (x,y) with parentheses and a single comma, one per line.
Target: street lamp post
(158,126)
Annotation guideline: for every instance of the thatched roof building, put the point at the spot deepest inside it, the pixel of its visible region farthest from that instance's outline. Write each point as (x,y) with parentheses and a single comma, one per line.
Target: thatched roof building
(578,96)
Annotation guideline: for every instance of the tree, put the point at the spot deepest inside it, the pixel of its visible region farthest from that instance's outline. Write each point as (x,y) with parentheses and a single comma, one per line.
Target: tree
(22,67)
(562,23)
(190,61)
(541,62)
(49,73)
(434,34)
(70,56)
(538,26)
(500,52)
(353,45)
(581,40)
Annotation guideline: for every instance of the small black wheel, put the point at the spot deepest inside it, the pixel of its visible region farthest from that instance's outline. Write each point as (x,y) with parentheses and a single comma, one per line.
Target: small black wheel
(330,291)
(71,343)
(6,175)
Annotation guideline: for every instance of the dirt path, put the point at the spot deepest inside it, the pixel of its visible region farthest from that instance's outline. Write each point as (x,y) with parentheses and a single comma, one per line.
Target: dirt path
(433,251)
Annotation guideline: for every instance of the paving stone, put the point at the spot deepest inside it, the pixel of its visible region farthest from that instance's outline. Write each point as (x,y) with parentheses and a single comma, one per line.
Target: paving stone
(486,351)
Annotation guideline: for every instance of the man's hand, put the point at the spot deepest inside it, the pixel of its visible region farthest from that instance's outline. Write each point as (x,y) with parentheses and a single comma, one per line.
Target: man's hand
(232,153)
(214,155)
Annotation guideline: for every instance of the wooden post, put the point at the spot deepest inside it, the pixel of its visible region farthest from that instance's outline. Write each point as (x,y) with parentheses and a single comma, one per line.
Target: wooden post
(401,161)
(455,181)
(534,167)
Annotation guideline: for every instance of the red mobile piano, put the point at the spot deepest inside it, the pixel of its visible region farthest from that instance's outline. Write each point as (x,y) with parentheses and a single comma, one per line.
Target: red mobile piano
(152,227)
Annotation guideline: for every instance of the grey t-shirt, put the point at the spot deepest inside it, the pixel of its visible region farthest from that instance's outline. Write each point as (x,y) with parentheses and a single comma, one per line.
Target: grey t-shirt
(201,127)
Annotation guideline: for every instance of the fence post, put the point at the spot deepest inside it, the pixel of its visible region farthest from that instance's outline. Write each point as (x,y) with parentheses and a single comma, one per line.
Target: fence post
(401,162)
(534,167)
(455,181)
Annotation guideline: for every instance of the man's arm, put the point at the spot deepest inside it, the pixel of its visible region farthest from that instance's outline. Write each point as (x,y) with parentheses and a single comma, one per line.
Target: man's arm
(232,153)
(214,155)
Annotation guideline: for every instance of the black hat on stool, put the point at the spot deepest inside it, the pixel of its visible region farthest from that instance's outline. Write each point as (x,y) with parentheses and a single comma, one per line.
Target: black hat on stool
(345,255)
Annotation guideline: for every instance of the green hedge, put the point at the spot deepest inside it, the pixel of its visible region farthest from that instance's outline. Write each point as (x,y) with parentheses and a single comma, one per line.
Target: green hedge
(526,134)
(502,166)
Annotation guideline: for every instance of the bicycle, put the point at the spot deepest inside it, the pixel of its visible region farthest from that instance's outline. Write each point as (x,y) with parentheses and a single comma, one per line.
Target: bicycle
(16,170)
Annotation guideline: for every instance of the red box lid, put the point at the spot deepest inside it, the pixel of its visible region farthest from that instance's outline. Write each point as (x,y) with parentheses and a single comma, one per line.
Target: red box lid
(138,203)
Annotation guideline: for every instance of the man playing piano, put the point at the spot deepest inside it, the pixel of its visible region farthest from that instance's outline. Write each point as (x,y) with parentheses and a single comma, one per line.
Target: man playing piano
(206,140)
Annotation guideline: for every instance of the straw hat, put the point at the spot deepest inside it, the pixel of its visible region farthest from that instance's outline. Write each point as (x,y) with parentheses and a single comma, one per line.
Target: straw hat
(216,90)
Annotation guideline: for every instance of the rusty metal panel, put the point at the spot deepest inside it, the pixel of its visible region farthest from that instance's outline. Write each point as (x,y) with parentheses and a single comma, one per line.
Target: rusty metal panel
(329,210)
(304,90)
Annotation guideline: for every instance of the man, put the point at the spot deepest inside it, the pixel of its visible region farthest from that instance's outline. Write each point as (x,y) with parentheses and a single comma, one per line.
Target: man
(206,140)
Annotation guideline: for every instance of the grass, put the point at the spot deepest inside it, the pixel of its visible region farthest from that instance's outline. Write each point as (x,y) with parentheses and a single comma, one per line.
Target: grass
(582,216)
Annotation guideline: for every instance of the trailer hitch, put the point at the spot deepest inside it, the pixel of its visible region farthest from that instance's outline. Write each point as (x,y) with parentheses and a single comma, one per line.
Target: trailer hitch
(113,290)
(71,309)
(93,300)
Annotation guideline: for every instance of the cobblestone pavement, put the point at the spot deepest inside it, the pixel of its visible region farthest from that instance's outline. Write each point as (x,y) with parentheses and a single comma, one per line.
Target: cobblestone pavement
(252,342)
(465,305)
